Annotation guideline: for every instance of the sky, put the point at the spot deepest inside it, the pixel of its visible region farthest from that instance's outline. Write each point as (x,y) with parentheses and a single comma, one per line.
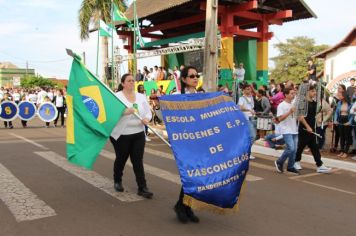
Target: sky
(38,31)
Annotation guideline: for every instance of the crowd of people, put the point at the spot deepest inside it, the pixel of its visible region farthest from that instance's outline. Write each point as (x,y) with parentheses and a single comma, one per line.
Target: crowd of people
(37,96)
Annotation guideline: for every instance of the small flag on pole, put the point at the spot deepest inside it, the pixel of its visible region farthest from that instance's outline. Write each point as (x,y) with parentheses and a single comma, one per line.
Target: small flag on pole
(105,30)
(119,16)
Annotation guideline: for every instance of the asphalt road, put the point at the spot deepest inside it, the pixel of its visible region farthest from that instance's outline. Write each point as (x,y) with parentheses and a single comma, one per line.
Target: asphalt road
(42,194)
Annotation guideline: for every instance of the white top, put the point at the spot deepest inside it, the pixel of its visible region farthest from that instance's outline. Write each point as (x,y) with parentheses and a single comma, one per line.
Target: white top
(16,97)
(41,96)
(130,124)
(240,73)
(32,97)
(247,103)
(59,101)
(289,125)
(50,95)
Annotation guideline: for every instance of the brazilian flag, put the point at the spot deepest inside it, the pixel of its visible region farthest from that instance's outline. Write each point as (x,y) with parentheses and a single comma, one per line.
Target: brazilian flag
(93,112)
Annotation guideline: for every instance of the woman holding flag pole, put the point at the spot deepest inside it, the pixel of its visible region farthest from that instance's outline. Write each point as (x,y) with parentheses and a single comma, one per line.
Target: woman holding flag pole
(128,136)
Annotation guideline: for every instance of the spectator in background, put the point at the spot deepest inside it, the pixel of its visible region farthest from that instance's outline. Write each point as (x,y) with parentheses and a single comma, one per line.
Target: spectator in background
(239,72)
(343,120)
(155,73)
(311,70)
(176,72)
(160,74)
(262,108)
(277,98)
(139,76)
(350,90)
(246,103)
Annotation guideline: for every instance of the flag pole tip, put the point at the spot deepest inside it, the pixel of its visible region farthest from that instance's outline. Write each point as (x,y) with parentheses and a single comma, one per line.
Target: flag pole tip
(70,52)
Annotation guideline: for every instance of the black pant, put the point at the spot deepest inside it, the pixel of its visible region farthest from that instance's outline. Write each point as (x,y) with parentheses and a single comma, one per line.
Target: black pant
(180,199)
(8,122)
(24,123)
(345,134)
(306,139)
(336,137)
(61,111)
(132,145)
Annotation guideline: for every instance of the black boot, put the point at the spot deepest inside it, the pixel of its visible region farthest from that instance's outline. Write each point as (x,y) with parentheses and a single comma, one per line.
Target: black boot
(192,217)
(181,213)
(144,192)
(118,187)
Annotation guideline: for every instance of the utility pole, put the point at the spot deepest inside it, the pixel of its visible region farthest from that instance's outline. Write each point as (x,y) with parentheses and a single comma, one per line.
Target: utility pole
(84,61)
(26,69)
(211,46)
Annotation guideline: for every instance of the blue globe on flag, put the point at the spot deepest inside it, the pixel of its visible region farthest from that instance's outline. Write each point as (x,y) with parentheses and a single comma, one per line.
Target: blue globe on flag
(91,105)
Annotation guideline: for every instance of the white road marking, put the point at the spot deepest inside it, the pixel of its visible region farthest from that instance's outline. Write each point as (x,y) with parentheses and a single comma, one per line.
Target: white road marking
(91,177)
(49,140)
(327,187)
(163,173)
(22,203)
(29,141)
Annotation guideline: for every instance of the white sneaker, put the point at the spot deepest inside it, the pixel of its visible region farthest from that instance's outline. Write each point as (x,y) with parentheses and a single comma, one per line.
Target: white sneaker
(252,157)
(298,166)
(148,139)
(323,169)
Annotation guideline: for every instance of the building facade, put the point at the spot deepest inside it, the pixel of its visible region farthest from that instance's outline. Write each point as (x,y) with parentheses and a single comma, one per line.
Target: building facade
(340,62)
(11,76)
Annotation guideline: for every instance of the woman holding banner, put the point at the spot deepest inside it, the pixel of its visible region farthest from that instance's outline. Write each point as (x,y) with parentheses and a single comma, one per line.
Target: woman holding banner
(189,83)
(128,136)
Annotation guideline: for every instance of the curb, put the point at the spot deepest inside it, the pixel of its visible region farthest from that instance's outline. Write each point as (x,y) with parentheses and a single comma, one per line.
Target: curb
(344,165)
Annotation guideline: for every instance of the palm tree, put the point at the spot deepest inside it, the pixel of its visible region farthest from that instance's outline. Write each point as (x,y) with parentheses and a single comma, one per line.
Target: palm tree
(90,12)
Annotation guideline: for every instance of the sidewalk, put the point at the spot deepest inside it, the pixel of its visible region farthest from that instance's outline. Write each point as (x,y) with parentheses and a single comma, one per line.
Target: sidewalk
(258,149)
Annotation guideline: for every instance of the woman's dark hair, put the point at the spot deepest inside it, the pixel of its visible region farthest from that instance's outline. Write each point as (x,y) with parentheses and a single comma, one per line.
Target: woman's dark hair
(184,74)
(346,98)
(262,92)
(312,87)
(286,91)
(281,85)
(140,87)
(61,92)
(254,85)
(342,86)
(123,78)
(265,87)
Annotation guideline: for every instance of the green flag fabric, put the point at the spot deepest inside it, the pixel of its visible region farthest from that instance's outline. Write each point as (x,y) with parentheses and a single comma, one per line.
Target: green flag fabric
(93,112)
(118,15)
(105,30)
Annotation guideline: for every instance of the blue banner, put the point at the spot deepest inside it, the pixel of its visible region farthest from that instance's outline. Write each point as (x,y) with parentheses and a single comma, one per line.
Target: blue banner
(211,143)
(27,110)
(47,112)
(9,111)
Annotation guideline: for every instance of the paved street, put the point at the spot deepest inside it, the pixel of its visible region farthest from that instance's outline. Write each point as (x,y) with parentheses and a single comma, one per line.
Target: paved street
(42,194)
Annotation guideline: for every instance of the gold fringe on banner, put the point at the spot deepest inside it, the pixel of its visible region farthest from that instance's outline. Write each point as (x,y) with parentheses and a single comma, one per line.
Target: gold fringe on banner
(190,105)
(200,205)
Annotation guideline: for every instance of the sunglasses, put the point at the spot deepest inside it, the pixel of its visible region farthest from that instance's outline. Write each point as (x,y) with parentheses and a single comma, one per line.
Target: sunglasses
(194,76)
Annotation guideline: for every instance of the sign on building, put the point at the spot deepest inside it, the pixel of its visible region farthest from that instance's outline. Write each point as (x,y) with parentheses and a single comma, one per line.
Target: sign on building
(16,81)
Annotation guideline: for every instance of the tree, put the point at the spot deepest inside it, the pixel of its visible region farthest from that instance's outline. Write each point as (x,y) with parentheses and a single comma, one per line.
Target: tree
(90,13)
(38,81)
(291,63)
